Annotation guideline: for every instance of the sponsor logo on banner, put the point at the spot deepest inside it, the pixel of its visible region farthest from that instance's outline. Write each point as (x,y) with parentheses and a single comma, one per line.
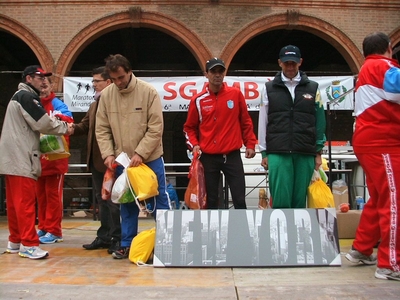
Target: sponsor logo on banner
(176,92)
(78,93)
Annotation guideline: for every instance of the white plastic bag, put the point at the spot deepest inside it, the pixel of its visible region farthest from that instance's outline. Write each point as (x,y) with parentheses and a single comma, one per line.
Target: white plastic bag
(119,188)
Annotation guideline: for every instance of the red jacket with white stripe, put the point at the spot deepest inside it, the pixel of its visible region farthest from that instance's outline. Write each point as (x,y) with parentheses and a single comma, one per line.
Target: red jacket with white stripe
(219,123)
(377,106)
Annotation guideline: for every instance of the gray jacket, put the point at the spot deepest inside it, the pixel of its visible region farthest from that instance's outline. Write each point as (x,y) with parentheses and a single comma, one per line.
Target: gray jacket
(19,141)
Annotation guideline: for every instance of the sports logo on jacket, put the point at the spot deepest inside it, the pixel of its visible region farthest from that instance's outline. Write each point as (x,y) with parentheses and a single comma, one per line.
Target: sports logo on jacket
(230,104)
(308,97)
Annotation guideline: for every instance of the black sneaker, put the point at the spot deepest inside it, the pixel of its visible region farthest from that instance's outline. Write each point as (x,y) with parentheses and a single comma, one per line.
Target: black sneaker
(122,252)
(96,244)
(115,245)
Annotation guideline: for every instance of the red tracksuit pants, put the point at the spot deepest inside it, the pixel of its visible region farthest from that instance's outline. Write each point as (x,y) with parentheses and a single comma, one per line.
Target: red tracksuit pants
(21,210)
(381,215)
(49,191)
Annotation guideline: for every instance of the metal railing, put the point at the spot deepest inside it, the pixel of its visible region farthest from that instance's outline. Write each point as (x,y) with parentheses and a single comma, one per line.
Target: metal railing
(84,189)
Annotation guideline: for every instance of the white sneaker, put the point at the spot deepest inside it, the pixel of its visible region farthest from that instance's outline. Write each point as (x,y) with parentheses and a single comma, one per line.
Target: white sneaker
(387,274)
(356,257)
(33,252)
(12,247)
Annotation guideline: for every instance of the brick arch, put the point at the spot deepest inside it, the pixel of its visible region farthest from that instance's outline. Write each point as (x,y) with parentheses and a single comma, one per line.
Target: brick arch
(395,36)
(28,37)
(295,20)
(134,17)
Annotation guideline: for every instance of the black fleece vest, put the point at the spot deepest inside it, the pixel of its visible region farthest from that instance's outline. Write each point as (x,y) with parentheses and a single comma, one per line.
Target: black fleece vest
(291,124)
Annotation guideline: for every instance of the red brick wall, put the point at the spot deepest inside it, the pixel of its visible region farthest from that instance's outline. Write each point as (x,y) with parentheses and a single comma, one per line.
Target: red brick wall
(56,23)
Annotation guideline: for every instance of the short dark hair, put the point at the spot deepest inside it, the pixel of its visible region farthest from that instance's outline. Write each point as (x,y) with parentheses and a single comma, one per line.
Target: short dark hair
(375,43)
(113,62)
(102,72)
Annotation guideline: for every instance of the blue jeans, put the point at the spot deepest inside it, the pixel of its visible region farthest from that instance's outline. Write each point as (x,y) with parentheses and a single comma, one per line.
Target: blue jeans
(130,211)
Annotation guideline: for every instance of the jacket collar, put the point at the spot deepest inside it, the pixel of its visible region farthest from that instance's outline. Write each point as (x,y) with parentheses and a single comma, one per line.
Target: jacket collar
(222,89)
(296,79)
(390,60)
(300,78)
(131,85)
(29,88)
(49,98)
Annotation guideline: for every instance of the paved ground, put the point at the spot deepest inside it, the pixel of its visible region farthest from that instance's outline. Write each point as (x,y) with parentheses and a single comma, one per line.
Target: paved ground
(70,272)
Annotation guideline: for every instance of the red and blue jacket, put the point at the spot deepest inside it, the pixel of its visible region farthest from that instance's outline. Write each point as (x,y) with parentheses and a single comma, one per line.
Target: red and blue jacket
(377,106)
(53,104)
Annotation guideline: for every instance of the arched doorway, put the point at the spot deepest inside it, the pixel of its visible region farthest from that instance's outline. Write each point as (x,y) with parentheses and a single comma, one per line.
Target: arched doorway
(295,28)
(20,47)
(152,53)
(326,51)
(319,57)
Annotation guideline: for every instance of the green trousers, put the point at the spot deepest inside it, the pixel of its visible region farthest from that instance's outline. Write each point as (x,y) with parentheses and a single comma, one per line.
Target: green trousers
(289,176)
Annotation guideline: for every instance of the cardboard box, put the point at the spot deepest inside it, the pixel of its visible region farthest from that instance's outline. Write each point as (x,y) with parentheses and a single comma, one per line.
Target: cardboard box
(347,223)
(340,194)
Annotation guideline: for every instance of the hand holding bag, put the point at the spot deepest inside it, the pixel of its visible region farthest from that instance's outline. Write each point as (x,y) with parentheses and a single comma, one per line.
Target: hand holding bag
(195,195)
(319,195)
(143,184)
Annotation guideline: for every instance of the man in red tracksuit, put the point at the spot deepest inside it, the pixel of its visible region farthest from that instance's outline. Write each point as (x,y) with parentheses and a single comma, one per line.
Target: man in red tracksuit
(217,126)
(49,186)
(376,143)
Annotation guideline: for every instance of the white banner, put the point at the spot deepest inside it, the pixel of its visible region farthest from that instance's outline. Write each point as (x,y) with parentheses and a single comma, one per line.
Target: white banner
(176,92)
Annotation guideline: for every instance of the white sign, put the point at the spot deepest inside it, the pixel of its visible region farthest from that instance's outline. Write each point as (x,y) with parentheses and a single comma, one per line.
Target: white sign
(176,92)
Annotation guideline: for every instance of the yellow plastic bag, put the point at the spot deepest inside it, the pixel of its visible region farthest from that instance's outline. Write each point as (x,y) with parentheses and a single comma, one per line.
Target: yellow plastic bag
(319,195)
(143,181)
(142,247)
(55,156)
(324,165)
(143,184)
